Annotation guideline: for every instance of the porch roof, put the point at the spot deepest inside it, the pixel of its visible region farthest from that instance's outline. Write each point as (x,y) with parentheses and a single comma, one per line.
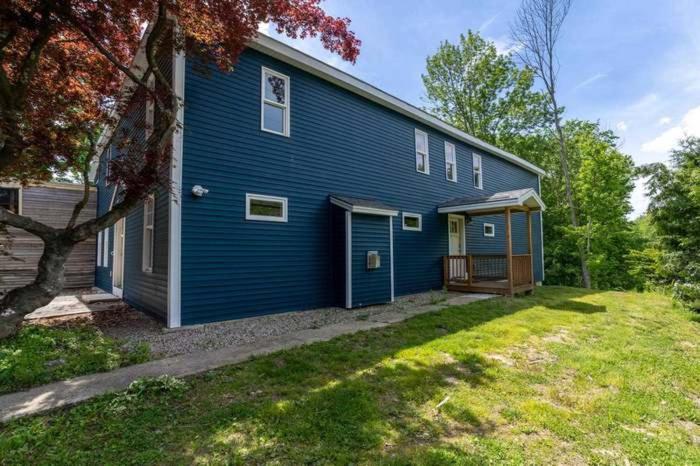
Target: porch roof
(363,205)
(519,199)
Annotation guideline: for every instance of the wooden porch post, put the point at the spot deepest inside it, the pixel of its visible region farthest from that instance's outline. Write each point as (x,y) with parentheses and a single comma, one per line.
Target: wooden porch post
(509,253)
(529,248)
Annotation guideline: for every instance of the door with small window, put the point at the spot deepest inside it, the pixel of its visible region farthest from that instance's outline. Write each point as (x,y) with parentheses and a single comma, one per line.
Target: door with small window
(457,246)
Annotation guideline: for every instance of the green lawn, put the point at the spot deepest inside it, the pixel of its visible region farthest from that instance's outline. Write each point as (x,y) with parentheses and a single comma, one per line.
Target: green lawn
(565,377)
(39,355)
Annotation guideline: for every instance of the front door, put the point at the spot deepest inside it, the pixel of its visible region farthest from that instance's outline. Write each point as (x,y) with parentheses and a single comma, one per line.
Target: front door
(458,269)
(118,259)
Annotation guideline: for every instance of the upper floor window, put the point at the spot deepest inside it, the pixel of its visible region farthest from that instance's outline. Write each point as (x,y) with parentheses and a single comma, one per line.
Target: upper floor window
(150,107)
(450,162)
(149,206)
(9,199)
(422,155)
(275,102)
(477,170)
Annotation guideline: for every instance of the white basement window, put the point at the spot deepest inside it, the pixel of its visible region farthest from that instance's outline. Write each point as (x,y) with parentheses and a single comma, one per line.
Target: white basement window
(489,229)
(450,162)
(422,154)
(265,208)
(150,107)
(275,102)
(149,206)
(99,249)
(412,222)
(478,175)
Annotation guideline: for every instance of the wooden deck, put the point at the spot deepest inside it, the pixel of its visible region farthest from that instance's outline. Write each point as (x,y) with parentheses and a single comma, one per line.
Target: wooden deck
(489,274)
(488,286)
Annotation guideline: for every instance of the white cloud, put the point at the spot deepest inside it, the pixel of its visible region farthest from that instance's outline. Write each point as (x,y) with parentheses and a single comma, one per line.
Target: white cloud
(589,81)
(264,28)
(505,46)
(689,126)
(487,23)
(621,126)
(663,121)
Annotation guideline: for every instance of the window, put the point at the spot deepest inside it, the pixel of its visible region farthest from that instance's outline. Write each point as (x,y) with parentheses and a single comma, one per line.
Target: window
(450,162)
(275,102)
(9,199)
(148,221)
(150,108)
(265,208)
(105,251)
(412,222)
(489,229)
(108,157)
(422,156)
(99,249)
(476,167)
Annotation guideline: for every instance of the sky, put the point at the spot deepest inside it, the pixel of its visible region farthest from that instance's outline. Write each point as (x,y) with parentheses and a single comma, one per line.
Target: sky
(632,65)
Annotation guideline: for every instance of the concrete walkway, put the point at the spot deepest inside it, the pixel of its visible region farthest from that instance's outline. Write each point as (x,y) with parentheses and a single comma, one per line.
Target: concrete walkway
(72,391)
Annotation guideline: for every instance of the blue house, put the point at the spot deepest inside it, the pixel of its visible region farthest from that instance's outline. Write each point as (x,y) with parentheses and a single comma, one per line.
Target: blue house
(297,186)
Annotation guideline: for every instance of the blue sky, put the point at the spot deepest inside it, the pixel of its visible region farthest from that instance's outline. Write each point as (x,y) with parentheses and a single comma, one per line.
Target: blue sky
(633,65)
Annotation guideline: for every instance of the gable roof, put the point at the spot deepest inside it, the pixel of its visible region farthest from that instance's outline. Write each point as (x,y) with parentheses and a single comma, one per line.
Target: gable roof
(287,54)
(362,205)
(517,198)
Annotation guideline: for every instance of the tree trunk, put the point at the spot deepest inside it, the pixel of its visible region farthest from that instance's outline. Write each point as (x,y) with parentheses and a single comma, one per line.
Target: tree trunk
(585,274)
(45,287)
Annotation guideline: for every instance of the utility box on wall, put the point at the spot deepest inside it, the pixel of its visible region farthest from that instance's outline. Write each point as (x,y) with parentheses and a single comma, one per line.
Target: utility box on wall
(374,261)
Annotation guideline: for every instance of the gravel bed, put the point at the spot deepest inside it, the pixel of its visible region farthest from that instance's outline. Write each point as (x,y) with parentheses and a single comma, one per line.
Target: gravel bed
(137,328)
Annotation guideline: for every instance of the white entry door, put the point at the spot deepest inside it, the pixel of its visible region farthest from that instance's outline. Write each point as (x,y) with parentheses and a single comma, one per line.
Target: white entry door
(118,260)
(458,269)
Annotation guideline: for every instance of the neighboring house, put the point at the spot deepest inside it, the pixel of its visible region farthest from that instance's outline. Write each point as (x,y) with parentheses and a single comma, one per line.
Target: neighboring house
(298,186)
(52,204)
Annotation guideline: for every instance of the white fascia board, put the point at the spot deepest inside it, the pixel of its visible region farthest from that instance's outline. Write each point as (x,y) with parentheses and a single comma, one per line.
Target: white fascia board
(363,210)
(519,202)
(285,53)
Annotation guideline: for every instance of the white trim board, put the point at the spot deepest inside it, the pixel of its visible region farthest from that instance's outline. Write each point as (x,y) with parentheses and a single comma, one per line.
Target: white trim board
(486,206)
(348,259)
(363,210)
(391,255)
(287,54)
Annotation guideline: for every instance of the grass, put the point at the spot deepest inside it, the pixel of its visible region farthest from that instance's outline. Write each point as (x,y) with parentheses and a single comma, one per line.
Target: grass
(565,376)
(39,355)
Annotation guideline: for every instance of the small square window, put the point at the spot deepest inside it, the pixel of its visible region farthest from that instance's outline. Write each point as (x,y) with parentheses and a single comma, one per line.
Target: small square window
(489,230)
(266,208)
(9,199)
(412,222)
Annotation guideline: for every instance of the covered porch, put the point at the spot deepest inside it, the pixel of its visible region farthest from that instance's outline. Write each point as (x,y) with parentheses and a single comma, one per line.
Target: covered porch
(507,273)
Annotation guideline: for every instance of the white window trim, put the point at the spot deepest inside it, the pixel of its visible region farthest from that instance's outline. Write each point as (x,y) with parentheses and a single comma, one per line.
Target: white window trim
(427,151)
(20,194)
(454,153)
(481,170)
(263,101)
(150,108)
(493,230)
(105,251)
(147,262)
(409,214)
(263,218)
(99,249)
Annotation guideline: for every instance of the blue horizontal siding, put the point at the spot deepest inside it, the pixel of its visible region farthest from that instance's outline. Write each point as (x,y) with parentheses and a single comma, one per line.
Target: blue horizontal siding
(339,142)
(370,233)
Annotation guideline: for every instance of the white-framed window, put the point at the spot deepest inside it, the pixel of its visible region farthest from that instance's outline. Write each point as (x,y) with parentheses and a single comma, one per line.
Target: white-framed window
(99,249)
(274,102)
(108,158)
(150,107)
(412,222)
(489,230)
(422,153)
(450,162)
(265,208)
(149,207)
(477,171)
(11,199)
(105,250)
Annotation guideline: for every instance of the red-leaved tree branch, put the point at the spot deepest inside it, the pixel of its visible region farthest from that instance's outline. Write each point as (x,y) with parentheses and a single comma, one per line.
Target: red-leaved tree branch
(63,69)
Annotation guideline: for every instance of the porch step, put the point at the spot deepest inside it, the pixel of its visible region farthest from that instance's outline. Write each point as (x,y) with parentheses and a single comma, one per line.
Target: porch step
(99,298)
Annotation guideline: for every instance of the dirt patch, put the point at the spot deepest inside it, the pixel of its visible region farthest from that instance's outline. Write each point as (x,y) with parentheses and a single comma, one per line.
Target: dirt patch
(692,429)
(562,336)
(505,360)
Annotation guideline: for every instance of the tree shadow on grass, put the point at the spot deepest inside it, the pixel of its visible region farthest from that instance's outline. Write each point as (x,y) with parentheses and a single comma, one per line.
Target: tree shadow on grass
(356,397)
(579,306)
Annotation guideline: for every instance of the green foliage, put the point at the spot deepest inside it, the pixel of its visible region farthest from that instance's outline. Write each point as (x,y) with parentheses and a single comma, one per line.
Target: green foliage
(38,355)
(674,211)
(565,376)
(162,388)
(480,91)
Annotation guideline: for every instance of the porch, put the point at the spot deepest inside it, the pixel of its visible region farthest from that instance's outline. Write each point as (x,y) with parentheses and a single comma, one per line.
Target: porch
(508,273)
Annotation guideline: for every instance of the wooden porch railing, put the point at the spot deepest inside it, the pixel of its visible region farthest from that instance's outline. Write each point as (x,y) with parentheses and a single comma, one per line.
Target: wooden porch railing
(488,271)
